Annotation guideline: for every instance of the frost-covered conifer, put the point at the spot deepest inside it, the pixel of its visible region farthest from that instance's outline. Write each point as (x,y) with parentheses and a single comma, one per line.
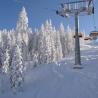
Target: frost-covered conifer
(16,69)
(6,61)
(69,40)
(22,23)
(22,28)
(58,47)
(62,39)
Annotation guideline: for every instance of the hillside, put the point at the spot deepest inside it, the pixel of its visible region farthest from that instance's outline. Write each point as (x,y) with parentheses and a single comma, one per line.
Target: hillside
(61,80)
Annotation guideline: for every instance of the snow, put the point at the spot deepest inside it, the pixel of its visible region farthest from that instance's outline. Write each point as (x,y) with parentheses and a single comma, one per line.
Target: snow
(60,80)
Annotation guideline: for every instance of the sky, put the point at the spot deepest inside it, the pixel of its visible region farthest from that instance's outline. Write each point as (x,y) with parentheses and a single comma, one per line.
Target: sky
(39,11)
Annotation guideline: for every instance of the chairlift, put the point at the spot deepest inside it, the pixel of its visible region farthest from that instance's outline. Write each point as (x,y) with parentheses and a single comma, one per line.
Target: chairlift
(62,14)
(94,33)
(87,38)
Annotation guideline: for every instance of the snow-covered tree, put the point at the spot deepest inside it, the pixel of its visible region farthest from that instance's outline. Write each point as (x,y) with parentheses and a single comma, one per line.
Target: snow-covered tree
(16,69)
(41,45)
(22,23)
(58,47)
(52,35)
(1,39)
(1,59)
(69,40)
(11,38)
(4,39)
(35,59)
(62,39)
(33,44)
(46,44)
(1,51)
(22,28)
(9,41)
(6,61)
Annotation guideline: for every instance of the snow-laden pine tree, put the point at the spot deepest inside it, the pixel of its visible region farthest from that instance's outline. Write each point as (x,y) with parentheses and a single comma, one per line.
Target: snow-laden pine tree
(4,39)
(1,59)
(33,43)
(1,40)
(41,46)
(16,69)
(1,51)
(1,67)
(52,34)
(22,23)
(69,40)
(35,59)
(46,44)
(63,39)
(58,47)
(47,36)
(7,49)
(6,60)
(11,38)
(22,28)
(9,41)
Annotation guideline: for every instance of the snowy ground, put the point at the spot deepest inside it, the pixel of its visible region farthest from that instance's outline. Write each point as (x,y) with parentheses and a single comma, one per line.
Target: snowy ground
(61,80)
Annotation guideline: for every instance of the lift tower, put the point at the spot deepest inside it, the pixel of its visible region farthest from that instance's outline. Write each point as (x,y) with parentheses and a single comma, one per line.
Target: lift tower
(76,8)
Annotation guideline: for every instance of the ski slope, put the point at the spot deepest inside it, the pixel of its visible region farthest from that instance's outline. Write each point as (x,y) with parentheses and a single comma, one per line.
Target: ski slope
(61,80)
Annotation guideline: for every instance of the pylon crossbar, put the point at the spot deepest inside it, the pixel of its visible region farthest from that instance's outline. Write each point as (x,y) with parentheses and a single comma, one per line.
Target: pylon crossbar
(89,2)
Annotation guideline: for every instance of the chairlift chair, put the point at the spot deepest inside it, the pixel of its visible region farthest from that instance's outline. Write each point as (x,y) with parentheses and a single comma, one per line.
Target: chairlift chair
(94,35)
(87,38)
